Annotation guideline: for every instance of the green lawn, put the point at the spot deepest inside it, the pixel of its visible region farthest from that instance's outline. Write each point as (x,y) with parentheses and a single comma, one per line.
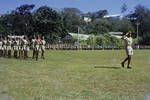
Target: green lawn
(76,75)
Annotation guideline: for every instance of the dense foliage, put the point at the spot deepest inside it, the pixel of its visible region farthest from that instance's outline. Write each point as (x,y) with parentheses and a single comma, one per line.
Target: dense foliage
(55,24)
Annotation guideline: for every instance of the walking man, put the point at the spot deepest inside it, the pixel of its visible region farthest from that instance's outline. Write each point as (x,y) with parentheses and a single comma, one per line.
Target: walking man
(9,47)
(5,46)
(43,42)
(128,48)
(33,46)
(37,46)
(1,47)
(16,47)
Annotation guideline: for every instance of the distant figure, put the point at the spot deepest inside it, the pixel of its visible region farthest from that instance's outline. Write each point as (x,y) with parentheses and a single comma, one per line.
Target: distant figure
(43,42)
(20,48)
(5,46)
(128,48)
(25,47)
(9,47)
(37,46)
(33,46)
(16,47)
(1,47)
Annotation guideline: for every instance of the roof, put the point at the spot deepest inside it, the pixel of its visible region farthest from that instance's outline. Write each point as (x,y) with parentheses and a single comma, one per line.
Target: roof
(15,36)
(114,16)
(80,36)
(116,34)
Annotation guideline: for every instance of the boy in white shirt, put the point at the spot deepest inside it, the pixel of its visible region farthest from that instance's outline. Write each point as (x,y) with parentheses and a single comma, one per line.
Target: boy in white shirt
(43,42)
(128,48)
(5,46)
(1,47)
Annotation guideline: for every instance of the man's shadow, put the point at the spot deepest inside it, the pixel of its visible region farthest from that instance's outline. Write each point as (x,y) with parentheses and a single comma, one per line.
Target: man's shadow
(106,67)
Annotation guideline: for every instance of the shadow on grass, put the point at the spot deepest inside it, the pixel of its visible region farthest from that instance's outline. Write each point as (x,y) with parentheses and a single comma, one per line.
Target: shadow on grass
(106,67)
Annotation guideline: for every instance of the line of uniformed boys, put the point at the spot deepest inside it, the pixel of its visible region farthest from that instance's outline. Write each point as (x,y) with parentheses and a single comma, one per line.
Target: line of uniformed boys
(20,47)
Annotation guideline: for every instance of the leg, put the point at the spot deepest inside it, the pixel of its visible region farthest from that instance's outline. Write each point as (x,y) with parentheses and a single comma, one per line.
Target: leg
(27,54)
(42,54)
(0,53)
(129,60)
(33,56)
(122,64)
(5,53)
(9,54)
(14,53)
(37,54)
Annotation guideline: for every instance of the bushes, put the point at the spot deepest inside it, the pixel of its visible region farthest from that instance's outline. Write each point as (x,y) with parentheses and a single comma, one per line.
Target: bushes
(107,41)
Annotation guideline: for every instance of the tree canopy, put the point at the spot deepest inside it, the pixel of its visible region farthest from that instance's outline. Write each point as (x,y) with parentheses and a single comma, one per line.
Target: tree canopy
(55,24)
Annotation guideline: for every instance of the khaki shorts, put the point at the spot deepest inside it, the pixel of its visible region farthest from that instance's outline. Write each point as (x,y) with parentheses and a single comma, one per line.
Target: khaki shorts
(129,50)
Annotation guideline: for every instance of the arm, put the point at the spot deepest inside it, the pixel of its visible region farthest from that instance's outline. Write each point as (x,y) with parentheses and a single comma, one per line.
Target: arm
(124,37)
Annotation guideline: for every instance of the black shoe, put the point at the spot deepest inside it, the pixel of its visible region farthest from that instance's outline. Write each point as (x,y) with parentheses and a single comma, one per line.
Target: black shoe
(129,67)
(122,64)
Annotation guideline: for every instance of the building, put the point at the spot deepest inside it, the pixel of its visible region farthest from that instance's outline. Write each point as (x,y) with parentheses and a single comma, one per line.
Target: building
(116,34)
(115,16)
(87,19)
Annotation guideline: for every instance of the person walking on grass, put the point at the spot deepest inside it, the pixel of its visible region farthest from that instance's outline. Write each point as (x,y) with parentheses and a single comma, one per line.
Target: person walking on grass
(33,46)
(43,42)
(1,47)
(5,46)
(37,46)
(9,47)
(25,47)
(16,47)
(128,48)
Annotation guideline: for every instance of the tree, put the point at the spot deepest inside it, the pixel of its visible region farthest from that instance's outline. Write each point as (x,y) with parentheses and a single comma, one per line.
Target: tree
(141,15)
(48,22)
(19,21)
(99,14)
(101,26)
(124,8)
(123,25)
(72,19)
(3,28)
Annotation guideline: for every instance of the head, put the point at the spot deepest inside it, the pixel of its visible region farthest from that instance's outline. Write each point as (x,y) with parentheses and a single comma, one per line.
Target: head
(129,34)
(38,37)
(5,38)
(34,37)
(42,37)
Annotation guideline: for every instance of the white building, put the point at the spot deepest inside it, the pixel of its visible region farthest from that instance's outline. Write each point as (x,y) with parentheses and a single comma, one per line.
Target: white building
(115,16)
(116,34)
(87,19)
(79,36)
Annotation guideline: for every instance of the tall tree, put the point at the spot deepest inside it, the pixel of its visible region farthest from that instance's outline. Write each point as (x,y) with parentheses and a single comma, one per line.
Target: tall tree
(48,22)
(124,8)
(141,15)
(20,21)
(72,19)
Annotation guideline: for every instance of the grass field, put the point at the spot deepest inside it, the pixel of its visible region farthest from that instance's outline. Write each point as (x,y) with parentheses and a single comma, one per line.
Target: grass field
(76,75)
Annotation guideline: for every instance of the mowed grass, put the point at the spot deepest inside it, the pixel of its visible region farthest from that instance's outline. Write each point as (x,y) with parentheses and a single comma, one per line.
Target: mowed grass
(76,75)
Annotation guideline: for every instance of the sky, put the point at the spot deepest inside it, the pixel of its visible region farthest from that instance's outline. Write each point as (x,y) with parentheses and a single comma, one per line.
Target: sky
(113,6)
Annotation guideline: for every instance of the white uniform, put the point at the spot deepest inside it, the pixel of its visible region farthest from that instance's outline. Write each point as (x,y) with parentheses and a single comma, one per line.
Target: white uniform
(25,45)
(9,43)
(4,44)
(1,45)
(16,45)
(128,45)
(37,45)
(43,42)
(33,43)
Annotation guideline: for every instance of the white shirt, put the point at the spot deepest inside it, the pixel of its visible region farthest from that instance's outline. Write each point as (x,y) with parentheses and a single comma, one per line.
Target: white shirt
(128,41)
